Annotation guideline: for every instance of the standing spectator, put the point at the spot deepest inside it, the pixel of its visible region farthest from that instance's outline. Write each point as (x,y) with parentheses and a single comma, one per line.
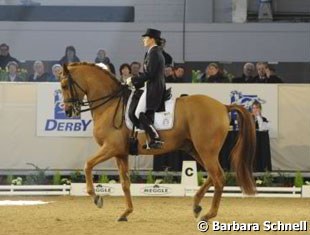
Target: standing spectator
(167,56)
(102,58)
(12,76)
(56,69)
(248,74)
(261,72)
(39,74)
(271,76)
(125,72)
(70,56)
(135,68)
(261,122)
(213,74)
(5,56)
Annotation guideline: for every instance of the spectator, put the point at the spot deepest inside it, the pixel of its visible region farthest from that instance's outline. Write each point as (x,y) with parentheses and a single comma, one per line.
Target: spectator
(261,123)
(135,68)
(213,74)
(271,76)
(12,75)
(56,69)
(248,74)
(70,56)
(167,56)
(125,72)
(169,74)
(5,56)
(102,58)
(261,72)
(177,75)
(39,74)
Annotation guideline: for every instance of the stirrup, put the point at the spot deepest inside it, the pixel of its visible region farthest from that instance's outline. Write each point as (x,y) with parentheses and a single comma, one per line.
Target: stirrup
(153,144)
(156,144)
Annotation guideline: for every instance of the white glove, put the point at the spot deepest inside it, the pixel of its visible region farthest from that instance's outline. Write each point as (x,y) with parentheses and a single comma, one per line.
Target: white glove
(128,81)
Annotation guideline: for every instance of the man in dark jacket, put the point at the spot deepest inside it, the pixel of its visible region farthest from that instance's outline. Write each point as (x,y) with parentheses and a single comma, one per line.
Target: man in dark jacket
(5,56)
(153,81)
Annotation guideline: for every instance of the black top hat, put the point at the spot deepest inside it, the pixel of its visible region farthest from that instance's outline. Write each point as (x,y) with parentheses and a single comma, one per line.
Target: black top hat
(152,33)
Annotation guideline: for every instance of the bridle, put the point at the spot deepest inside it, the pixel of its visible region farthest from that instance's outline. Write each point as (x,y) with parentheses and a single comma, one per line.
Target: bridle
(77,103)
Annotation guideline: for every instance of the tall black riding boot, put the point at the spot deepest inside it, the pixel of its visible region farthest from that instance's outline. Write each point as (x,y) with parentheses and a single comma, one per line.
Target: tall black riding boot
(155,142)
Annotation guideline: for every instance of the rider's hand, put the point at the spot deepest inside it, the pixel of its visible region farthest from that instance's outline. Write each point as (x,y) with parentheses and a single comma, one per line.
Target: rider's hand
(128,81)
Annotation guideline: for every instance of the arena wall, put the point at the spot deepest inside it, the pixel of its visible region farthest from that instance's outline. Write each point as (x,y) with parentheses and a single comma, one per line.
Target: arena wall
(20,144)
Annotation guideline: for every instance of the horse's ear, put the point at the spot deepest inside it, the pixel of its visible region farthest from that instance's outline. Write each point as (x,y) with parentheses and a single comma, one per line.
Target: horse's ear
(65,69)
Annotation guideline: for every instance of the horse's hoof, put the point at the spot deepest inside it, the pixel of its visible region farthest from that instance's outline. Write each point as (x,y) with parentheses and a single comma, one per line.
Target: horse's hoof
(203,218)
(197,210)
(98,201)
(122,219)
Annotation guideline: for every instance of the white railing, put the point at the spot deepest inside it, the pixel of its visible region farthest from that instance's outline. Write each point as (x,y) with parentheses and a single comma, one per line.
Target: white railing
(35,190)
(79,189)
(234,191)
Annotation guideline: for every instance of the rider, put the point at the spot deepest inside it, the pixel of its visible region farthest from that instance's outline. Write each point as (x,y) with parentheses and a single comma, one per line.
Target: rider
(153,83)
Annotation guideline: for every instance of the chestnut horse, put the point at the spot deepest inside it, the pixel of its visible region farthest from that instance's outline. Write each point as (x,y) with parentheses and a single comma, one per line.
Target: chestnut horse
(200,128)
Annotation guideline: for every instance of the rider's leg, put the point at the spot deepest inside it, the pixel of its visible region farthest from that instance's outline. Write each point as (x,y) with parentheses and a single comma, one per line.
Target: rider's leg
(146,121)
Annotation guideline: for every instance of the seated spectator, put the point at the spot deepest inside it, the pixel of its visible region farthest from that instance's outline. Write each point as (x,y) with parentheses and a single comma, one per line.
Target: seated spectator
(70,56)
(271,76)
(261,123)
(39,74)
(248,74)
(167,56)
(125,72)
(5,56)
(213,74)
(135,68)
(169,74)
(56,69)
(261,72)
(102,58)
(177,75)
(12,75)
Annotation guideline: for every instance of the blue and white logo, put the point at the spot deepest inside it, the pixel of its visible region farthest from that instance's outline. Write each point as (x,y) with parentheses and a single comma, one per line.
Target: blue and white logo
(236,97)
(59,112)
(55,119)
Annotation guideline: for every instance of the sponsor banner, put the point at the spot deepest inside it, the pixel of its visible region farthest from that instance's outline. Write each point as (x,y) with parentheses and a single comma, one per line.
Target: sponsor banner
(79,189)
(51,118)
(175,190)
(305,191)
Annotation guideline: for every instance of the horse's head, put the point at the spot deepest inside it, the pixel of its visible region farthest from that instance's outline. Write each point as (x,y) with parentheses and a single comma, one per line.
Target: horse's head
(72,92)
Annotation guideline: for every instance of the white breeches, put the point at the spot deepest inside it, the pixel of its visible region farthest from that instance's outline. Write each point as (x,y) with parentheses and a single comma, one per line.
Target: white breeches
(141,107)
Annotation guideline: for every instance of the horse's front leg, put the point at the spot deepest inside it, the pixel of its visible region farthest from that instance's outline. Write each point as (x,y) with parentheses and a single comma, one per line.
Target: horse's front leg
(122,163)
(102,155)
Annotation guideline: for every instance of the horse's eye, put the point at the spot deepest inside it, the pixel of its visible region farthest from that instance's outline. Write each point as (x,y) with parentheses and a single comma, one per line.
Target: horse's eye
(64,86)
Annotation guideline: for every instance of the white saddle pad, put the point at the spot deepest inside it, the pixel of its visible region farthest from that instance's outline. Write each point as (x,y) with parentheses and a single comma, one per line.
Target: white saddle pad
(162,120)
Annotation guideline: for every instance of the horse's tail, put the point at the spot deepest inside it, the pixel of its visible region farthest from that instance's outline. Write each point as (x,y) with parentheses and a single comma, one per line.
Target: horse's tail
(242,155)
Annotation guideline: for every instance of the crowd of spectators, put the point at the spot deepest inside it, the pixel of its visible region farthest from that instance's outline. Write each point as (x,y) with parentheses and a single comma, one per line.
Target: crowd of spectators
(260,72)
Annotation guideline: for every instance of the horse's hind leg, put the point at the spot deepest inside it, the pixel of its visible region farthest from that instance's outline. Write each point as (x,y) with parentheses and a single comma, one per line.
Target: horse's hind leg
(216,174)
(122,163)
(204,188)
(199,195)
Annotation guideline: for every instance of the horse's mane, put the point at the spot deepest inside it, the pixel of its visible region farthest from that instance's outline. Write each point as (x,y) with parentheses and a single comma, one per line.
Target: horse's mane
(107,72)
